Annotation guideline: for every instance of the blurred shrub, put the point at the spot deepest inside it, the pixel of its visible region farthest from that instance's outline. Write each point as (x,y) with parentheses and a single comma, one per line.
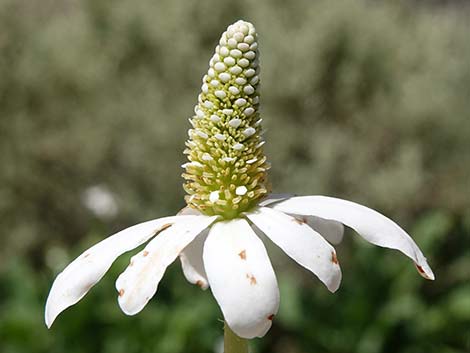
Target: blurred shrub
(362,100)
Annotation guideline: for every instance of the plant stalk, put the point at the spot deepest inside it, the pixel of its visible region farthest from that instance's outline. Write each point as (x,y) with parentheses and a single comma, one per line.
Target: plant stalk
(233,343)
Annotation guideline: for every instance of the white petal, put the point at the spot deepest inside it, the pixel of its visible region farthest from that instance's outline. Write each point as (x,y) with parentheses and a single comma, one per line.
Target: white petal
(139,282)
(371,225)
(86,270)
(189,211)
(301,243)
(241,277)
(191,256)
(330,230)
(192,263)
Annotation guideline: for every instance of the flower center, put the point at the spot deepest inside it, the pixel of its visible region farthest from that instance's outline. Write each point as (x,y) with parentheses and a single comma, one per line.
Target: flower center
(227,169)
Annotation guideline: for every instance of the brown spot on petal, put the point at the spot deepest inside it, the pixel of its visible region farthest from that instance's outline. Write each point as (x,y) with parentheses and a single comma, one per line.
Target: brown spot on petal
(163,227)
(334,259)
(121,292)
(145,253)
(421,271)
(199,283)
(252,279)
(242,254)
(166,226)
(271,317)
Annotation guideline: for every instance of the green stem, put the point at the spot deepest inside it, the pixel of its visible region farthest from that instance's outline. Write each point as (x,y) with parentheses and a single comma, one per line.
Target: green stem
(233,343)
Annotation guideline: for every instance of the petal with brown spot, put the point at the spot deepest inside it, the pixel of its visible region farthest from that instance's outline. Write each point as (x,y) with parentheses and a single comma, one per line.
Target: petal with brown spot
(85,271)
(141,280)
(246,290)
(368,223)
(299,241)
(334,258)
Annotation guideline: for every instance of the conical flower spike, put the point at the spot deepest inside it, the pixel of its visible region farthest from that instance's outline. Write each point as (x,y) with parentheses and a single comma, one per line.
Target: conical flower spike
(227,169)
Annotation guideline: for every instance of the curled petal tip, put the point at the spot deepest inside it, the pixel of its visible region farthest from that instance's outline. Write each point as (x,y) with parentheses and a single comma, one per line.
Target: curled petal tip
(53,306)
(48,322)
(425,271)
(334,285)
(51,312)
(333,289)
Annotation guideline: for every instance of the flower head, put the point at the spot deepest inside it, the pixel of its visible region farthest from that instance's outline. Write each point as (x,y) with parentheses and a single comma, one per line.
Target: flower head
(226,173)
(215,237)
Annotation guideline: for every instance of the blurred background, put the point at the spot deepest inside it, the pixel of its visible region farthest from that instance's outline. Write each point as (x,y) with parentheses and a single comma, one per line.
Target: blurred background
(363,100)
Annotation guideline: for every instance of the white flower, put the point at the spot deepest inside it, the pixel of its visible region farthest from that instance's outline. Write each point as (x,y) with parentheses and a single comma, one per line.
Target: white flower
(215,237)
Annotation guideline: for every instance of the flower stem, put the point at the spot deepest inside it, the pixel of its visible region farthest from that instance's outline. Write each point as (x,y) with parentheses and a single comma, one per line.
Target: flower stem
(233,343)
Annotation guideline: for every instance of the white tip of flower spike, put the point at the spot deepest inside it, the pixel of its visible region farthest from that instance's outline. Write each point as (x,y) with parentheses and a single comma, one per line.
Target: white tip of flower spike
(235,123)
(214,196)
(249,131)
(241,190)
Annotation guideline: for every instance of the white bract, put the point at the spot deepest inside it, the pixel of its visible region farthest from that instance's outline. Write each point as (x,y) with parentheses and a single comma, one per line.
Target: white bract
(228,200)
(229,257)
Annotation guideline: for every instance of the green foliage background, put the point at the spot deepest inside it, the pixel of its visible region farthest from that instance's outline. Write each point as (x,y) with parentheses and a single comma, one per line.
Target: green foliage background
(364,100)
